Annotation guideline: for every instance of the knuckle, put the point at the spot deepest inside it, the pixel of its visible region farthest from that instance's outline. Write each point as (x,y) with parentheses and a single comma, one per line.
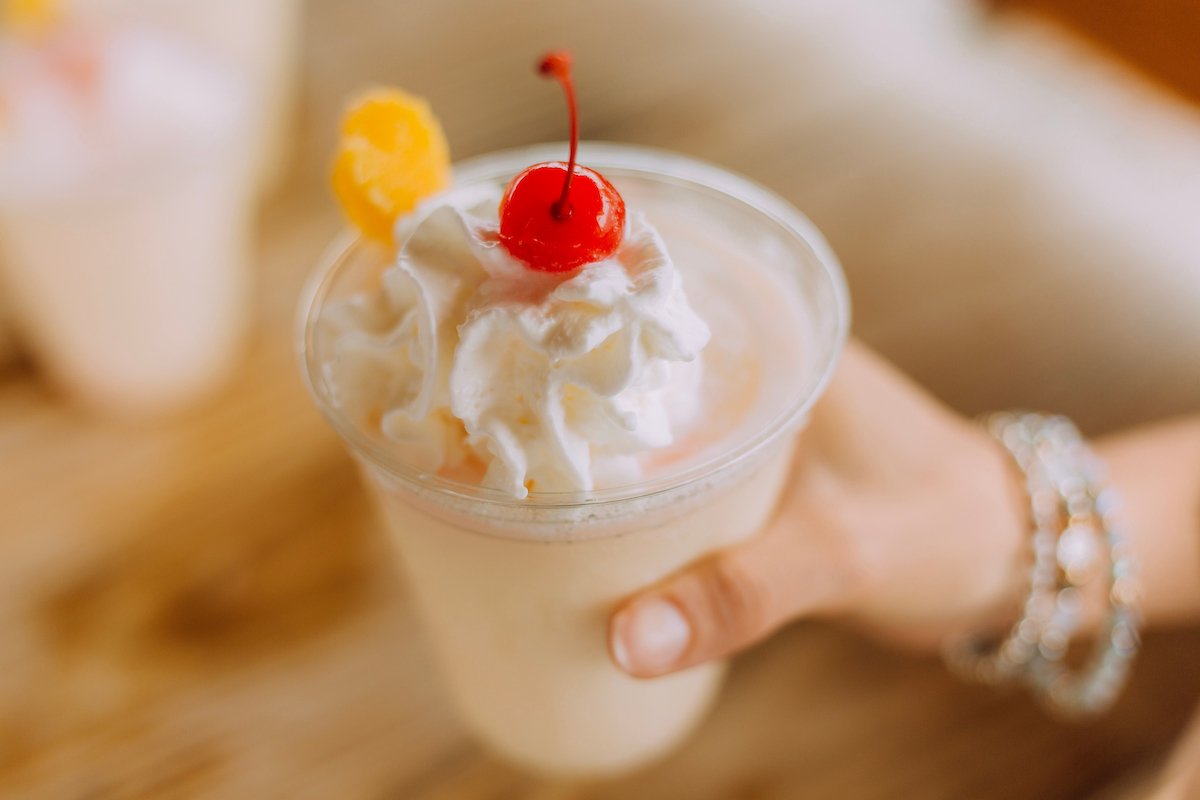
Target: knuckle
(740,601)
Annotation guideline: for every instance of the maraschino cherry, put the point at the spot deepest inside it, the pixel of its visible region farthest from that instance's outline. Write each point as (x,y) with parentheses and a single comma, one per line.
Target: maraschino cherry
(557,217)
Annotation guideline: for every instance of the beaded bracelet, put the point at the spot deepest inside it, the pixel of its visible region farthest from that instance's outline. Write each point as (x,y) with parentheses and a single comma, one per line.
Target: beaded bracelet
(981,658)
(1074,522)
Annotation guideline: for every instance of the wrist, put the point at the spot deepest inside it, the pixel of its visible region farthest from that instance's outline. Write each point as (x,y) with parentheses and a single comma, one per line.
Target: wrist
(1073,514)
(1157,471)
(994,508)
(962,546)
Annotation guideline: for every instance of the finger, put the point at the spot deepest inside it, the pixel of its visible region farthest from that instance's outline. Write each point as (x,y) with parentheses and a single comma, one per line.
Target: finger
(724,603)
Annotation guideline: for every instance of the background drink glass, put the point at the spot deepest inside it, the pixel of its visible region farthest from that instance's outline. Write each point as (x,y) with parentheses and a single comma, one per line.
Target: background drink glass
(515,595)
(130,284)
(258,39)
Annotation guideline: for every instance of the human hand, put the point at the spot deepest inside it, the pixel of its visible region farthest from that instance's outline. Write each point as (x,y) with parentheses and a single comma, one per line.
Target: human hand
(899,515)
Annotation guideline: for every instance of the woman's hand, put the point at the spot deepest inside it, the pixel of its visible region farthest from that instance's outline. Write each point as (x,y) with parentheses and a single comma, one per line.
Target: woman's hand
(899,515)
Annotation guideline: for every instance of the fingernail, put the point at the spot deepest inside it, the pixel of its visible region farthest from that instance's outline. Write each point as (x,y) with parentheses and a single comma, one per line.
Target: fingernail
(650,636)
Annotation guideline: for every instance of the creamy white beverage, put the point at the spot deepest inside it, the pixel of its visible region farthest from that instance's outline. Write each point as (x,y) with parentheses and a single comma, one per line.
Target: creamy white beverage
(544,445)
(124,213)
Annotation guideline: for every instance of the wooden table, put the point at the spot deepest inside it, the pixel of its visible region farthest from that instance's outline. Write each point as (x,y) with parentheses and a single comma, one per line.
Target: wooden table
(206,607)
(1157,36)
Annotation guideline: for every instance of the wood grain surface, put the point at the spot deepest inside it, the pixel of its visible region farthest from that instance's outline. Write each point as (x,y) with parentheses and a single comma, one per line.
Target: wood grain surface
(1157,36)
(206,607)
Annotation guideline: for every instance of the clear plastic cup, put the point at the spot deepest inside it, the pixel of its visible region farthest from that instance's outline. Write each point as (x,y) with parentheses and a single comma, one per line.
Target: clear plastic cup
(515,594)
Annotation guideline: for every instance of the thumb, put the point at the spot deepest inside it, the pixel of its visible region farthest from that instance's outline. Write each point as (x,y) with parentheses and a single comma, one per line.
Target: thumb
(724,602)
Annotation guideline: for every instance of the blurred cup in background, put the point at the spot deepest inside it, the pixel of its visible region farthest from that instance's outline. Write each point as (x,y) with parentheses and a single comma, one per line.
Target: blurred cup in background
(125,208)
(260,40)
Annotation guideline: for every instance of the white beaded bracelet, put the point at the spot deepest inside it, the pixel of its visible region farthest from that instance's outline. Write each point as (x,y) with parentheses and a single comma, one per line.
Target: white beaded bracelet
(1073,524)
(982,658)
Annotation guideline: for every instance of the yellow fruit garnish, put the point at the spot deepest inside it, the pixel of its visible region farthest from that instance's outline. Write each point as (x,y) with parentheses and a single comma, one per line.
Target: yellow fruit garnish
(29,17)
(392,154)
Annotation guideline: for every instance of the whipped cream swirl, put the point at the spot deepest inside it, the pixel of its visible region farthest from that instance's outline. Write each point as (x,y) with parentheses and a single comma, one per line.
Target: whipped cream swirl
(552,383)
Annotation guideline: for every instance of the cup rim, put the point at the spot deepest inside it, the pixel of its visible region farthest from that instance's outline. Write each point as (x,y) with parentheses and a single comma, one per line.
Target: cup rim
(653,163)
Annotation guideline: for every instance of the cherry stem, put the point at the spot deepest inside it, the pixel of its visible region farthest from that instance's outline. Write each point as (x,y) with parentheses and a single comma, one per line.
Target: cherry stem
(557,65)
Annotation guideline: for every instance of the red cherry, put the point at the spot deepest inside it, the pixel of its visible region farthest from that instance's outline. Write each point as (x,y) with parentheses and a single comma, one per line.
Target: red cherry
(557,217)
(590,230)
